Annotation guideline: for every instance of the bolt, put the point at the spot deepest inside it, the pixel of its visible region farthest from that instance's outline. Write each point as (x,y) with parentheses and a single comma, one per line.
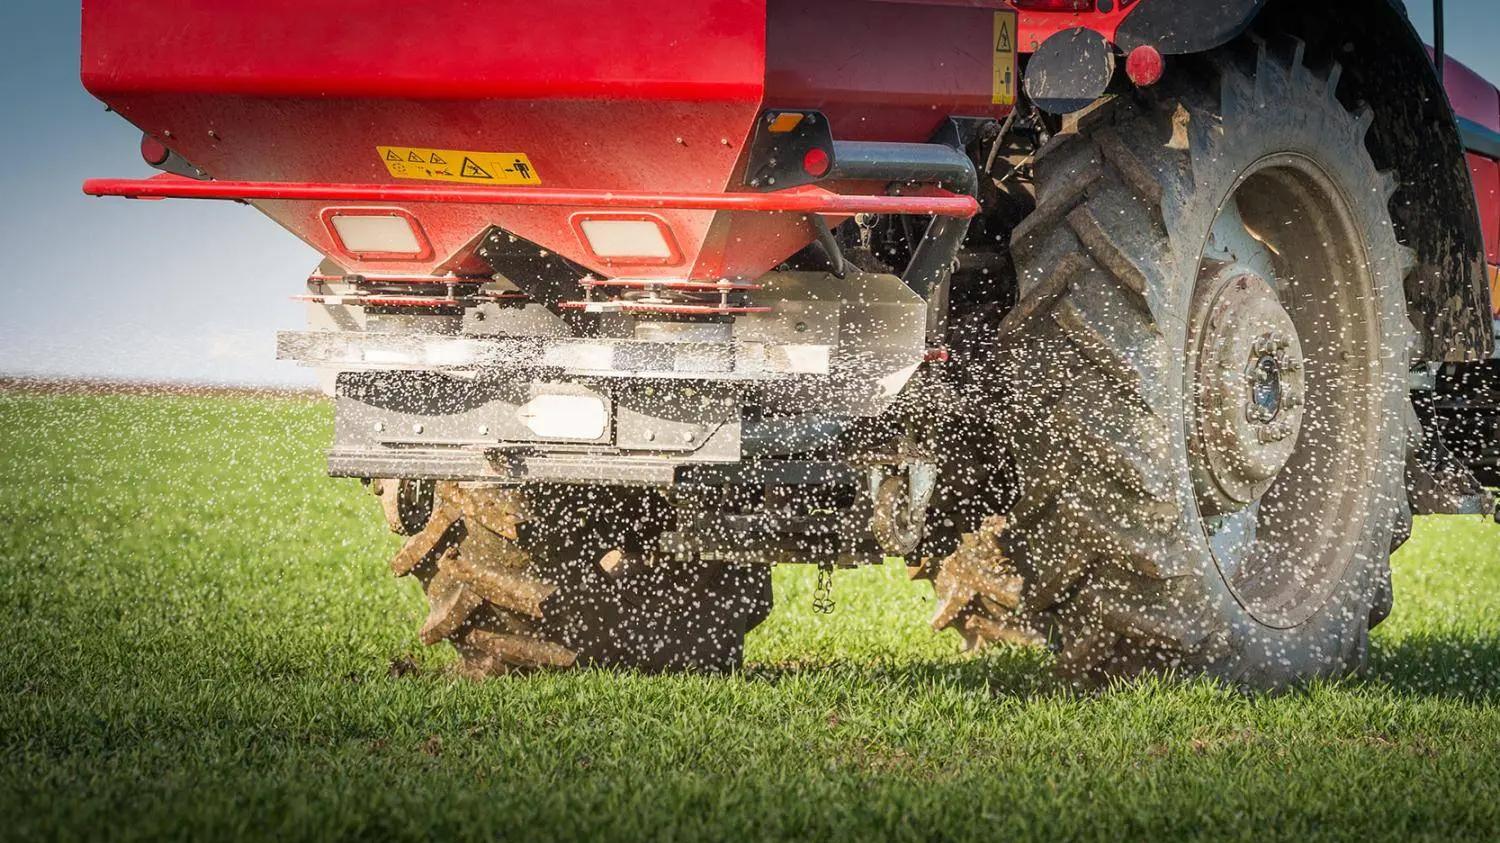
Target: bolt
(1274,433)
(379,426)
(687,436)
(649,435)
(800,327)
(484,430)
(770,179)
(417,428)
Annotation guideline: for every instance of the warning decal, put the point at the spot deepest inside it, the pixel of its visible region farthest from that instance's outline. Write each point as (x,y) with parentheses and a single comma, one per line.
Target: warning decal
(1003,75)
(414,162)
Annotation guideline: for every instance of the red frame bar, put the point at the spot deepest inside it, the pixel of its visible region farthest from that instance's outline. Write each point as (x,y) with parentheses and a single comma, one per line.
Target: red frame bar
(807,199)
(401,279)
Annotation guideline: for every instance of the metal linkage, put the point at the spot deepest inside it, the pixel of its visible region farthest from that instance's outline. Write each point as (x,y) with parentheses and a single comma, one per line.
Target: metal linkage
(457,291)
(780,157)
(666,296)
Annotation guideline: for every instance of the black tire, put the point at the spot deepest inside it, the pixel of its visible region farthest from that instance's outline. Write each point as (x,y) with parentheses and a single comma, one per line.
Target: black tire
(514,583)
(1106,553)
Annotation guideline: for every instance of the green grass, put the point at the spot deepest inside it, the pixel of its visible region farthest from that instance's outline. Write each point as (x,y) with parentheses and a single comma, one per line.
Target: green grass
(200,627)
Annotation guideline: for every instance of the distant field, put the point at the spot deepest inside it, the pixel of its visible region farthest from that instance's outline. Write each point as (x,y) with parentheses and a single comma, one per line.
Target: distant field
(201,629)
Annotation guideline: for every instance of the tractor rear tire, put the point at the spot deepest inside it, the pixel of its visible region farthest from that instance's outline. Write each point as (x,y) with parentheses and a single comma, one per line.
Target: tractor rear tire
(514,584)
(1205,379)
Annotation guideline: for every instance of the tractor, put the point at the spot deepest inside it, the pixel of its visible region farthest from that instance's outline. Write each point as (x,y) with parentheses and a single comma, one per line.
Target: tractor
(1139,328)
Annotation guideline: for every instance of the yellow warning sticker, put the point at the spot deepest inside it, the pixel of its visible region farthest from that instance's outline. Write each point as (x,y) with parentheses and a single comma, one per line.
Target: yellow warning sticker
(415,162)
(1003,91)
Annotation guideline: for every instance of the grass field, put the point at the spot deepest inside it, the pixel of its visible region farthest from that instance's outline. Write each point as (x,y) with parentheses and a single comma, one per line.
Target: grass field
(201,628)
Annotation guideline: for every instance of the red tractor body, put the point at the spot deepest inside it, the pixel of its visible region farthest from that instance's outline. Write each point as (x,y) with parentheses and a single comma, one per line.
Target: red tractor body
(1086,308)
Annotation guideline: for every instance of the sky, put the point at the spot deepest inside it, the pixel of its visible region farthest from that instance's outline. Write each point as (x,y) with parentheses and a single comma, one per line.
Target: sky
(195,291)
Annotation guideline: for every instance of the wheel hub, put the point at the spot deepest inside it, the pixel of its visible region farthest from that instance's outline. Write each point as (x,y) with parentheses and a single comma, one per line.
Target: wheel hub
(1250,392)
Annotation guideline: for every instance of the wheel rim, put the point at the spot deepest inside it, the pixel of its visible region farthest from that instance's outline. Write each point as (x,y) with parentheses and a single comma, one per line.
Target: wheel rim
(1282,378)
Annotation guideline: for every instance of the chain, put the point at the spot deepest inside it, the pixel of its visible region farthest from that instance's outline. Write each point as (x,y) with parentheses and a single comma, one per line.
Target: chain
(822,603)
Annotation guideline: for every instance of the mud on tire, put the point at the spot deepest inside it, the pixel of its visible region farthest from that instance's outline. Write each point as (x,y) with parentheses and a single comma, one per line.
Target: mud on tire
(1115,551)
(517,583)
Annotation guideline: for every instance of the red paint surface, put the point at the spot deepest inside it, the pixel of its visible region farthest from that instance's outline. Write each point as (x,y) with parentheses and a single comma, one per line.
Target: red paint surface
(649,99)
(1471,95)
(1486,175)
(1037,25)
(1477,100)
(888,70)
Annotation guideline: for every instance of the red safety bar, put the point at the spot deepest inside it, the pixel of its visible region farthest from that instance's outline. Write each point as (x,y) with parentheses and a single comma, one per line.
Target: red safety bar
(807,199)
(445,280)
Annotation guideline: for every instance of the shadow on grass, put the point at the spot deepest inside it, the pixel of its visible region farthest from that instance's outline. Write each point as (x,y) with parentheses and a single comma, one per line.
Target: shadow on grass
(1463,667)
(1446,665)
(999,672)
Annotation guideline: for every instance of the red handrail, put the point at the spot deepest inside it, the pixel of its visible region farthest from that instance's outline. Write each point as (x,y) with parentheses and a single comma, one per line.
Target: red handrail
(806,199)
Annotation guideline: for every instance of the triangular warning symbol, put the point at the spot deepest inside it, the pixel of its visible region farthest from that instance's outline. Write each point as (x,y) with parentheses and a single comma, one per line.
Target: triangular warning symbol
(390,155)
(473,171)
(435,159)
(414,158)
(1002,41)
